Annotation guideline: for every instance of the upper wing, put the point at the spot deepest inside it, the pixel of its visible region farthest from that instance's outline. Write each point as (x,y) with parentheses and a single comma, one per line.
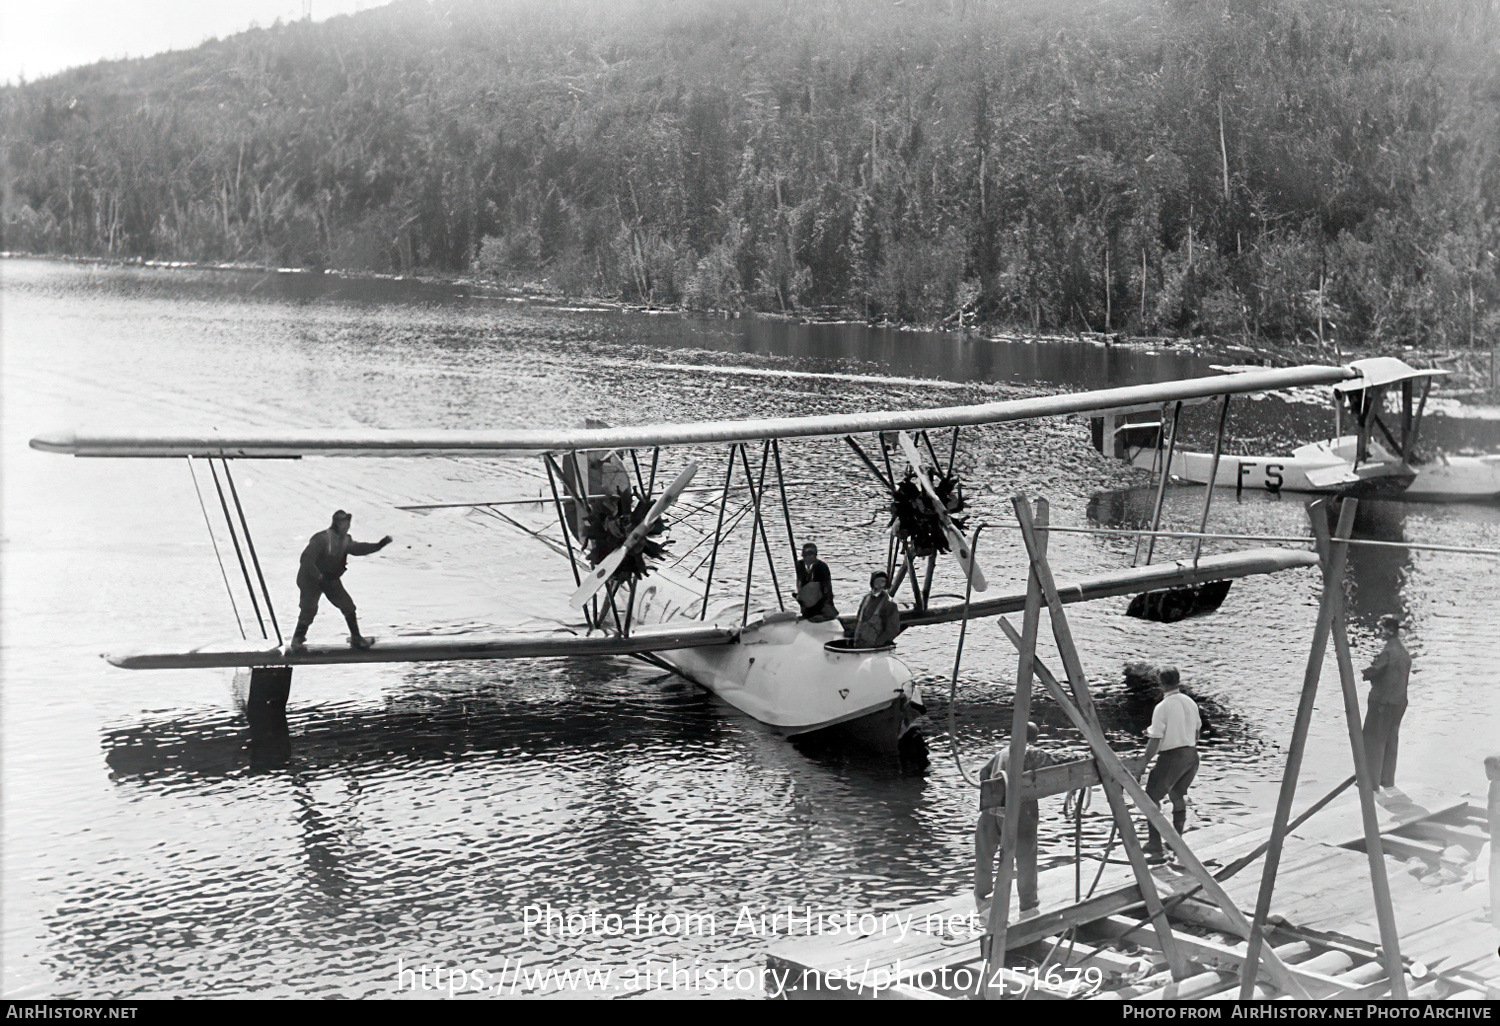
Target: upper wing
(522,442)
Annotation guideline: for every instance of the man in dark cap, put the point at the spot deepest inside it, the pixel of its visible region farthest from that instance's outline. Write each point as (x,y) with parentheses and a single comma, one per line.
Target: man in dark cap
(879,619)
(814,586)
(1388,676)
(323,564)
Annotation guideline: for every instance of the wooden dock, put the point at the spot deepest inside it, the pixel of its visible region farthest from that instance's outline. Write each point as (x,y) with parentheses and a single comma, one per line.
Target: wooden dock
(1323,923)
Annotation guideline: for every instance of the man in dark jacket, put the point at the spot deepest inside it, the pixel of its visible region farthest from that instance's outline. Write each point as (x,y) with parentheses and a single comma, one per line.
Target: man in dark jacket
(814,586)
(1387,704)
(323,563)
(991,822)
(879,619)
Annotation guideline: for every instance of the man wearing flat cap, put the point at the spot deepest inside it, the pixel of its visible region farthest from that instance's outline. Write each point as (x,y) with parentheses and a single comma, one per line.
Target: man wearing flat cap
(815,587)
(323,564)
(1387,704)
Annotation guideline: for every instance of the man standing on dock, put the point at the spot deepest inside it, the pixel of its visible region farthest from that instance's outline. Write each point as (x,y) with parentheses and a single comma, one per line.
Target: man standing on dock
(323,564)
(988,832)
(879,618)
(1388,676)
(1175,724)
(815,586)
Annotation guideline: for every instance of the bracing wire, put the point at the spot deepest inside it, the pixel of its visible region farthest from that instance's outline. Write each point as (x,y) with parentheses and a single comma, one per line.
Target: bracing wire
(215,542)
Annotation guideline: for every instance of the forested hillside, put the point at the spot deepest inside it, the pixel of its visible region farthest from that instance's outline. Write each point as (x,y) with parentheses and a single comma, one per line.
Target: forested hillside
(1286,169)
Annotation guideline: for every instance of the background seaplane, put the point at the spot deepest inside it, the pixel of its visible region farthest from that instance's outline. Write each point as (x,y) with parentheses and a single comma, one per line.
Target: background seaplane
(781,668)
(1378,460)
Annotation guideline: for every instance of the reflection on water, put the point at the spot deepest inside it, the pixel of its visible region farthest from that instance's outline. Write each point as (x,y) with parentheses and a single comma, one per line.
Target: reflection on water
(157,843)
(1377,574)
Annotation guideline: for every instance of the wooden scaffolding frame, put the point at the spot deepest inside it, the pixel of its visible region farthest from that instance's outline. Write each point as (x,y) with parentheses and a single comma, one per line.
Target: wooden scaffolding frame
(1076,701)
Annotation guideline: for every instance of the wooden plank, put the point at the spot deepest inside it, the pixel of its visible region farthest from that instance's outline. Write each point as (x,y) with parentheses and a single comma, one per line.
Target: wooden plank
(1015,764)
(1390,937)
(1445,834)
(1046,781)
(1404,848)
(1212,953)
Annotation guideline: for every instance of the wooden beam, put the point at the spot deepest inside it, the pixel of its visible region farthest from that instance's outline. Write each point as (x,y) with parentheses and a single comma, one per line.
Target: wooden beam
(1232,957)
(1492,770)
(1087,721)
(1333,580)
(1016,765)
(1046,781)
(1444,834)
(1385,913)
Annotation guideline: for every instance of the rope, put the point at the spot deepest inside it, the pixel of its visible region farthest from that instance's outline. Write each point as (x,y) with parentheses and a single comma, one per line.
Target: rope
(958,658)
(222,572)
(1284,539)
(1109,847)
(1073,805)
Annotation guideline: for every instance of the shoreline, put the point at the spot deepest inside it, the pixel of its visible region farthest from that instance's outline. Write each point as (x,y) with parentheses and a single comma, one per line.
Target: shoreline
(1475,372)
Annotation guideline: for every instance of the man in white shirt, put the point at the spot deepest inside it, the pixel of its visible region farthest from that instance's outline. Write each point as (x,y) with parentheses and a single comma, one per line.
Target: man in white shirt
(1174,729)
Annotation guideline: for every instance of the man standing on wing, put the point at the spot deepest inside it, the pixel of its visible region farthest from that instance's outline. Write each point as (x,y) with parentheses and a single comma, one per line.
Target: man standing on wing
(1388,676)
(814,586)
(879,619)
(1175,724)
(323,564)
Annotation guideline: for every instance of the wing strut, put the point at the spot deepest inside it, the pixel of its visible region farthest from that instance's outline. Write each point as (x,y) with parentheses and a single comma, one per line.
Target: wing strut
(239,554)
(250,544)
(786,509)
(215,542)
(713,553)
(1213,479)
(563,523)
(757,492)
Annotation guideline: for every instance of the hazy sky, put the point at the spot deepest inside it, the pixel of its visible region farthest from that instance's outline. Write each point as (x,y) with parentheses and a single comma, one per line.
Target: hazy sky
(40,37)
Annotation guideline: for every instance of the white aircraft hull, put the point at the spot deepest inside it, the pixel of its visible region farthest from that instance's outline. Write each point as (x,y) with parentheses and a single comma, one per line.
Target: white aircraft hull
(780,673)
(1327,467)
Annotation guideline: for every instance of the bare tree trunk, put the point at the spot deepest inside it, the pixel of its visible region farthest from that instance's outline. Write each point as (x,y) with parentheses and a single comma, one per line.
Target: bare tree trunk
(1143,288)
(1223,150)
(1106,289)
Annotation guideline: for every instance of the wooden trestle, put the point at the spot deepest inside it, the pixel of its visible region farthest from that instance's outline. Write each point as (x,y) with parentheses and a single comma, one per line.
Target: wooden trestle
(1315,930)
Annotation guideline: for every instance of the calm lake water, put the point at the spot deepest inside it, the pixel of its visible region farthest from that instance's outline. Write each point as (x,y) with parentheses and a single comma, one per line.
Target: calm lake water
(415,812)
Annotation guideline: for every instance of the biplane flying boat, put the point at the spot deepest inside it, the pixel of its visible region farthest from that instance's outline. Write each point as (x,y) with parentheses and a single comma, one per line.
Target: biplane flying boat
(1375,460)
(784,669)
